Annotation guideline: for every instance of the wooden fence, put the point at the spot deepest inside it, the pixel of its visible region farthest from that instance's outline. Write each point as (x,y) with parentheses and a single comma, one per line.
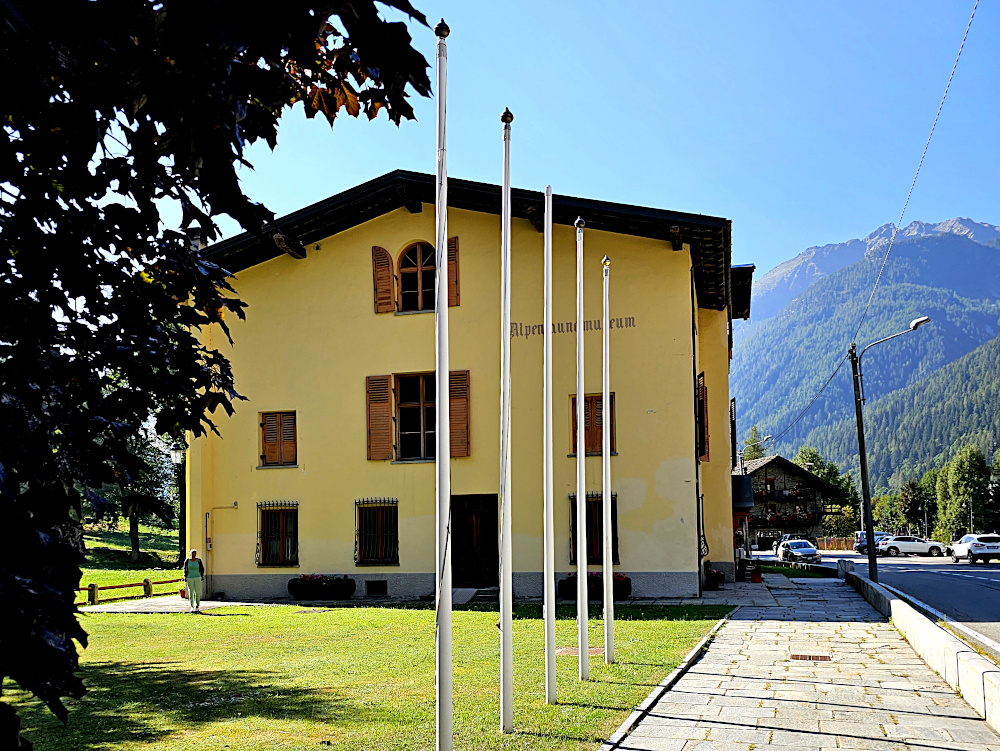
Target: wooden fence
(94,592)
(835,543)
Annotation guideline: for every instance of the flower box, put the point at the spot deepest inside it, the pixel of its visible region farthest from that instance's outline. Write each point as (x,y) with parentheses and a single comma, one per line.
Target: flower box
(321,587)
(621,588)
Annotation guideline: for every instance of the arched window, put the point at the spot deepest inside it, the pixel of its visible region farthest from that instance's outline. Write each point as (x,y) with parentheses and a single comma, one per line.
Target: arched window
(416,278)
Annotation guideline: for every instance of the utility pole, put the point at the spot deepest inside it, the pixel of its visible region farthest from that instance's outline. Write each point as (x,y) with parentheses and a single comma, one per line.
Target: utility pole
(866,498)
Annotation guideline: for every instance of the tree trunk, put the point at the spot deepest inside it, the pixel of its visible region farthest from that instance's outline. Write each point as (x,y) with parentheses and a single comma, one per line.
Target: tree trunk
(133,536)
(182,510)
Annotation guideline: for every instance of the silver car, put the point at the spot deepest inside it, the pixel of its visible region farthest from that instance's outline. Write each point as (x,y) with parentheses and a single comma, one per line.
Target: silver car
(976,548)
(798,550)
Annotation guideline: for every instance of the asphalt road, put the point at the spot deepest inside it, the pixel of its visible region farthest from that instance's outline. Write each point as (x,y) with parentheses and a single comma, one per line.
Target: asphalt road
(968,593)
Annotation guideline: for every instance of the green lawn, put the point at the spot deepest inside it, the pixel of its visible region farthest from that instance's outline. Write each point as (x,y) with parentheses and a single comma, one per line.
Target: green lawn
(792,573)
(285,677)
(107,558)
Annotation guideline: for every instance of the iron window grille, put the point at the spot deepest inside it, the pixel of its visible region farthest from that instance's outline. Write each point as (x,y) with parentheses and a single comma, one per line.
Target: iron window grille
(376,541)
(595,528)
(278,533)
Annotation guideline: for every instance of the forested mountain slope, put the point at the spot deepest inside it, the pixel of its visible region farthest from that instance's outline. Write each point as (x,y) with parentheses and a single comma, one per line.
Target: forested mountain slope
(918,427)
(779,364)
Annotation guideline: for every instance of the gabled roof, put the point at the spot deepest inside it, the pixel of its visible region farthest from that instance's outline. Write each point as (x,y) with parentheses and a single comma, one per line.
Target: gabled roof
(755,464)
(708,236)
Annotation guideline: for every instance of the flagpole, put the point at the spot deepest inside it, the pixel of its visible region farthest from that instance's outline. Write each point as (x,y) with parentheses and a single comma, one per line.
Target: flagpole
(442,635)
(548,526)
(506,588)
(609,572)
(581,471)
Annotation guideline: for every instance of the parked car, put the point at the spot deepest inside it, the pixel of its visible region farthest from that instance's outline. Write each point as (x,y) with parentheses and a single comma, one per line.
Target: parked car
(906,545)
(859,541)
(798,550)
(976,548)
(792,536)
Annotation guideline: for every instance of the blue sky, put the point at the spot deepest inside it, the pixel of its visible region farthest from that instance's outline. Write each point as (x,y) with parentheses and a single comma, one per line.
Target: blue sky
(801,122)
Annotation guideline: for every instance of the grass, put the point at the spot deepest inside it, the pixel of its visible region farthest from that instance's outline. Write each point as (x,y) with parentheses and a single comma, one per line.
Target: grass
(791,573)
(107,558)
(284,677)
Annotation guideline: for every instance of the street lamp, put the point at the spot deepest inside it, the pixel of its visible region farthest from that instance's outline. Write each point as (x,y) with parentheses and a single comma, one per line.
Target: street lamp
(177,455)
(866,496)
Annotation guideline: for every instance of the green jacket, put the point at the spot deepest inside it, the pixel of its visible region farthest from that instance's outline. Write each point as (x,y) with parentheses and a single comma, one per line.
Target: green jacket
(188,574)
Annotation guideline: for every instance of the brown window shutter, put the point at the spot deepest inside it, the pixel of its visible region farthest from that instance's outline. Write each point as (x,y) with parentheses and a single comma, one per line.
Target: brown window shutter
(459,412)
(379,418)
(453,296)
(385,302)
(287,436)
(572,425)
(594,424)
(270,443)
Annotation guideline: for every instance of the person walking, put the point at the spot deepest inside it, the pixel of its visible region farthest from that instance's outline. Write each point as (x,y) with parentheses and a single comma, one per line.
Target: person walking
(194,572)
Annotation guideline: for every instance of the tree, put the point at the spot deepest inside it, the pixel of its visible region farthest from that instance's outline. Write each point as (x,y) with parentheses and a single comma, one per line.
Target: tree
(150,494)
(112,109)
(843,522)
(949,522)
(969,486)
(885,513)
(911,504)
(810,459)
(753,447)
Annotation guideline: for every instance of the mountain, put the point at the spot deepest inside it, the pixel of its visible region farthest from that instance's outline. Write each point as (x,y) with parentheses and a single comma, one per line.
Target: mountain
(781,284)
(949,271)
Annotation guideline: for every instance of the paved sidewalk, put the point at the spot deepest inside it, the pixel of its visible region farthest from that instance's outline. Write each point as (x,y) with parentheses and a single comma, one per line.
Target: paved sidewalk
(748,692)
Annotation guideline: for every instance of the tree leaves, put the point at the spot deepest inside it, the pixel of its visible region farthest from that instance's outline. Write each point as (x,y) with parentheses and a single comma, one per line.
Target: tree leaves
(102,306)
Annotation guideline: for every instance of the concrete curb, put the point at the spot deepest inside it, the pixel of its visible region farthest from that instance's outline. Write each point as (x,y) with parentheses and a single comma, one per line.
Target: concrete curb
(640,712)
(965,670)
(816,568)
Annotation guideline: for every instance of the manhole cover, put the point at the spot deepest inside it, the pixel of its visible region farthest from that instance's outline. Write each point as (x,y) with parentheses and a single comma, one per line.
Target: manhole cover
(811,658)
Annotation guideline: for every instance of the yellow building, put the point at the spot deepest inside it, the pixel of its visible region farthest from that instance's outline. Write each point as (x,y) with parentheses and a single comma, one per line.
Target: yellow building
(328,467)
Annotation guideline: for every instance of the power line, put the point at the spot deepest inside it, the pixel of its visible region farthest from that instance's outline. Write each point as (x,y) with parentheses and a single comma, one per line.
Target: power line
(895,229)
(809,405)
(916,174)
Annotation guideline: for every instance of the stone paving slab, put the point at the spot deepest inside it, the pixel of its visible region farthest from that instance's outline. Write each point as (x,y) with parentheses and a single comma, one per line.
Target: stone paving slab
(746,693)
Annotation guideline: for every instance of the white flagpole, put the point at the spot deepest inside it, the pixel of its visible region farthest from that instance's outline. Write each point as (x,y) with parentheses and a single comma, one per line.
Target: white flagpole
(548,524)
(442,636)
(609,572)
(581,471)
(506,588)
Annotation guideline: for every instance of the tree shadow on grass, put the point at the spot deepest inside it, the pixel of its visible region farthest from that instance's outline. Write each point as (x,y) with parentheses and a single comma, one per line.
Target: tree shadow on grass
(129,702)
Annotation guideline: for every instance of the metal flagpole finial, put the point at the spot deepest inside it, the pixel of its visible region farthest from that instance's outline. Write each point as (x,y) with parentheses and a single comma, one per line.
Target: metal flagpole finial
(507,117)
(606,262)
(442,29)
(579,222)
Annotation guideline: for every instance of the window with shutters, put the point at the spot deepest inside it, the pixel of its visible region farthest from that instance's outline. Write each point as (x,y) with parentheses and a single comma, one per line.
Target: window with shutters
(415,416)
(402,418)
(595,528)
(377,532)
(416,278)
(592,424)
(701,417)
(278,439)
(278,533)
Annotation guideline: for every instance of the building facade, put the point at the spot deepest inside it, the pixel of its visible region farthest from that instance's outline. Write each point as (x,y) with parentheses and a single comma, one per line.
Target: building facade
(787,499)
(328,466)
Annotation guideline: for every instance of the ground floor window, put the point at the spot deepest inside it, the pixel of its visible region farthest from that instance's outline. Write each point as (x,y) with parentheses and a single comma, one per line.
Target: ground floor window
(376,532)
(278,533)
(595,528)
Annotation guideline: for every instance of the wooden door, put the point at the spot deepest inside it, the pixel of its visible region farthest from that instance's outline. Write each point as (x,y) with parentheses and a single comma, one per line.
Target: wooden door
(475,557)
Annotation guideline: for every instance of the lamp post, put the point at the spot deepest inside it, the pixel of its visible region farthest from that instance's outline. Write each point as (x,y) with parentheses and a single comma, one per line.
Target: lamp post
(178,455)
(866,497)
